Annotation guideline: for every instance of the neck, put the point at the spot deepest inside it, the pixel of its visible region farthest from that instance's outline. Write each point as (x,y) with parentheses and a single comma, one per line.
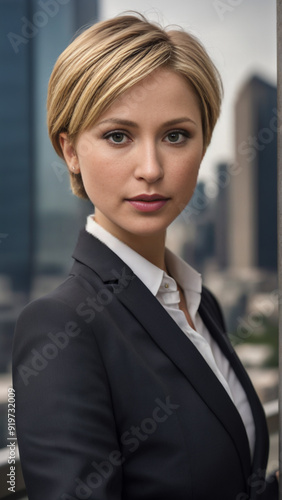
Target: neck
(151,247)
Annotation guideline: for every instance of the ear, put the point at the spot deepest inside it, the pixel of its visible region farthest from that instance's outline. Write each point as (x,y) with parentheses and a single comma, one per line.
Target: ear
(69,153)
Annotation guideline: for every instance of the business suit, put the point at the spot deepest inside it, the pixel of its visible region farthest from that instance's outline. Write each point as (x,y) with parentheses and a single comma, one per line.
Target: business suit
(114,402)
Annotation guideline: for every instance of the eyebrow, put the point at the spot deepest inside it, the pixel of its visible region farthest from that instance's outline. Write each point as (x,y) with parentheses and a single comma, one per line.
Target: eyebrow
(129,123)
(179,120)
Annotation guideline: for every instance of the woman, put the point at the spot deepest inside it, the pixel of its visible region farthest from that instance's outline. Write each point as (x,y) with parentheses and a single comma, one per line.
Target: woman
(126,384)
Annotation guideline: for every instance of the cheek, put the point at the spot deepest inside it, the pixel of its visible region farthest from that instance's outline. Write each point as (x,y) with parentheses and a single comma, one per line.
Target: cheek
(187,175)
(99,176)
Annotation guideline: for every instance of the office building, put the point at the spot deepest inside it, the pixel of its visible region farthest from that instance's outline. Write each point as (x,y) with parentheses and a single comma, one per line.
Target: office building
(253,187)
(39,215)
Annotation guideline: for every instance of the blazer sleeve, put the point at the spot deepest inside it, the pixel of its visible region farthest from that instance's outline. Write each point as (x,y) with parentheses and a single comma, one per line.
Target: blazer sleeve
(65,425)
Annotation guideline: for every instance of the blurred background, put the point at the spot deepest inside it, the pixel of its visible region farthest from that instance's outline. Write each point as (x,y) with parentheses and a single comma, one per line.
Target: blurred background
(228,230)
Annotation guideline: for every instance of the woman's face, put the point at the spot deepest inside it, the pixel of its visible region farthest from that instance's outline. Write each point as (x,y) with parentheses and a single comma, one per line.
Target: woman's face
(140,161)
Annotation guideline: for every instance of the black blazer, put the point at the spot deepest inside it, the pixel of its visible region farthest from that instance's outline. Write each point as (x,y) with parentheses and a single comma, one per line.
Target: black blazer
(113,401)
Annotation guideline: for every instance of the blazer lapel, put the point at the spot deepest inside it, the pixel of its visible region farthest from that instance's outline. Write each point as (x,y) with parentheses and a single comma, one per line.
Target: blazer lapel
(169,337)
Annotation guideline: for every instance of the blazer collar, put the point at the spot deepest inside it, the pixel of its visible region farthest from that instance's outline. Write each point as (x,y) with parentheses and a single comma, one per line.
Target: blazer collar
(166,333)
(96,255)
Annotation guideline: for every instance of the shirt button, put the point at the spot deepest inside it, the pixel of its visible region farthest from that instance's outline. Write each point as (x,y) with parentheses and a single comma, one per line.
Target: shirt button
(166,285)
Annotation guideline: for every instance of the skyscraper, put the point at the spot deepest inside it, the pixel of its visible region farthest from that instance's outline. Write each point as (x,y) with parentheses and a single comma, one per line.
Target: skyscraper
(253,191)
(38,216)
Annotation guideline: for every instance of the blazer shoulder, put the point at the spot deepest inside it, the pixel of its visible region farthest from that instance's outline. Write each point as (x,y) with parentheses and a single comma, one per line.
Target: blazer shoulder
(59,309)
(53,330)
(67,296)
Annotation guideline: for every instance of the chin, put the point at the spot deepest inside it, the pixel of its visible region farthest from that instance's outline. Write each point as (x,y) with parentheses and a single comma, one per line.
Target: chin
(147,228)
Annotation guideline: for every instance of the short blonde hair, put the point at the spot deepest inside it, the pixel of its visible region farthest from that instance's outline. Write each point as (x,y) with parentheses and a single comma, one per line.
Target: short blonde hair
(112,56)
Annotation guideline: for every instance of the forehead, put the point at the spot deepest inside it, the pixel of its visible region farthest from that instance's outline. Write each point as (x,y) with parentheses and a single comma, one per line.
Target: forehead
(161,94)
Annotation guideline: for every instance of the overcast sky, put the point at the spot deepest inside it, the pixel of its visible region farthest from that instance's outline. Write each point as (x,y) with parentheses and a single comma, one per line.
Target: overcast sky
(240,36)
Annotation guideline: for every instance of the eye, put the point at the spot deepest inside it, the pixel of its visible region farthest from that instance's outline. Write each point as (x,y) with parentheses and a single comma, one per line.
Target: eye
(177,137)
(116,137)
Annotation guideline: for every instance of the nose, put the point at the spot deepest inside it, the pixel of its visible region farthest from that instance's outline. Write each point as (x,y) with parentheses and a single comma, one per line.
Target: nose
(149,163)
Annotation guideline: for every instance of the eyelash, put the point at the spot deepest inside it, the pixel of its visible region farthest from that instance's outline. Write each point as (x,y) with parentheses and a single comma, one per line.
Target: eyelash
(110,135)
(184,133)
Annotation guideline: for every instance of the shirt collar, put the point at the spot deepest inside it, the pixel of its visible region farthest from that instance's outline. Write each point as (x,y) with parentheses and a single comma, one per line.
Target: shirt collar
(152,276)
(187,277)
(189,280)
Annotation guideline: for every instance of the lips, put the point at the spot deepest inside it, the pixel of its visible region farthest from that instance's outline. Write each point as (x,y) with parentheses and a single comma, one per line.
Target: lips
(148,202)
(148,197)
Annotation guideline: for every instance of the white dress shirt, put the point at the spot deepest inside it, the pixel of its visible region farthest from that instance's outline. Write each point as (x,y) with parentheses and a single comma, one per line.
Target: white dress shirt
(164,288)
